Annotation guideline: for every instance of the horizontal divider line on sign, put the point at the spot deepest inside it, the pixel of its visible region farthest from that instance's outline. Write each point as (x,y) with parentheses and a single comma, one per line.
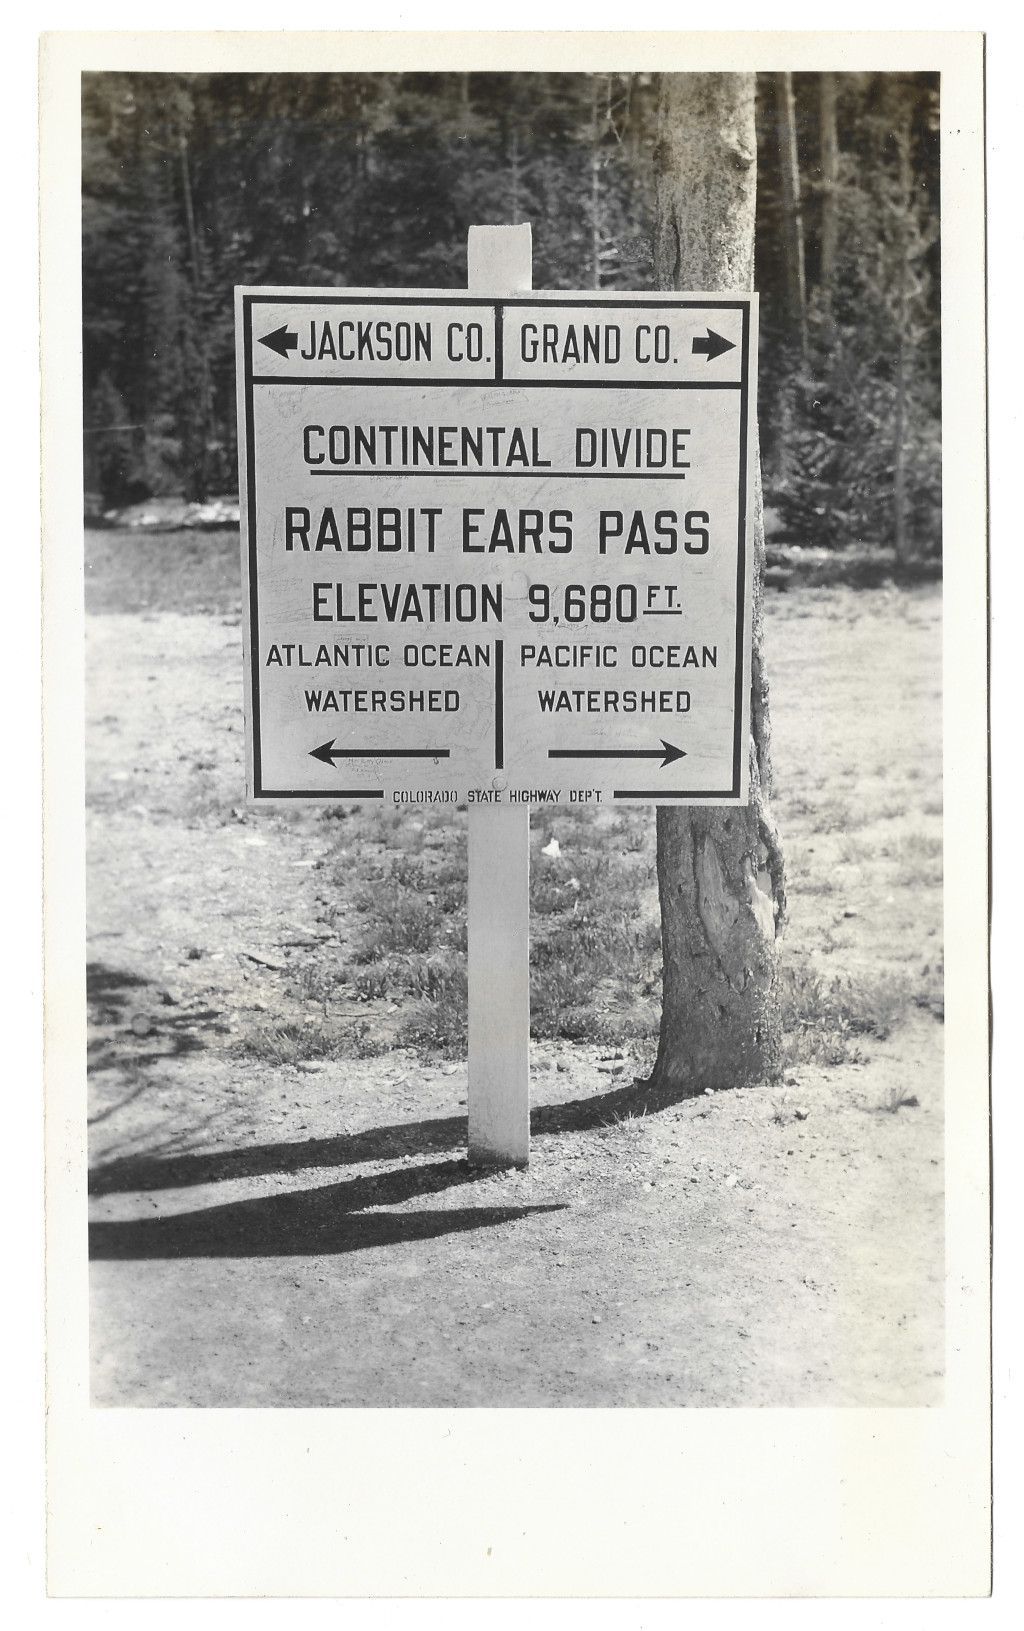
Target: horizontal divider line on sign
(659,793)
(538,473)
(483,380)
(457,297)
(319,793)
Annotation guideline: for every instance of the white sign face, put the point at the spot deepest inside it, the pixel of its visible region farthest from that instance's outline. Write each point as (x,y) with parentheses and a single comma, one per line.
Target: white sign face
(496,549)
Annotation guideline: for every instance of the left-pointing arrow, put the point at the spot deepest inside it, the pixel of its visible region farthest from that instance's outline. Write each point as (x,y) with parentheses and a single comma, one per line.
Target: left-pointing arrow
(327,753)
(282,340)
(666,753)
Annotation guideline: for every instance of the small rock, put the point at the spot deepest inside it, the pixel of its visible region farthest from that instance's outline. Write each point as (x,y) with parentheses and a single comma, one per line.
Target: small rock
(801,1115)
(142,1025)
(596,1319)
(730,1182)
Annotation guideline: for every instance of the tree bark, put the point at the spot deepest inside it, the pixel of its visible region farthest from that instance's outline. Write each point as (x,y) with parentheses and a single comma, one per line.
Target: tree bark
(792,207)
(721,874)
(595,187)
(899,427)
(829,194)
(197,483)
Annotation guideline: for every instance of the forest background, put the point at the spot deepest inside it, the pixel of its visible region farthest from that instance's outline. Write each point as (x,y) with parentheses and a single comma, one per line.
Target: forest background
(194,183)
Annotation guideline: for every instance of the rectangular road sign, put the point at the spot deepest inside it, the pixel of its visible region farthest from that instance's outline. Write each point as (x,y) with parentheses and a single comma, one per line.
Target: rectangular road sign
(496,549)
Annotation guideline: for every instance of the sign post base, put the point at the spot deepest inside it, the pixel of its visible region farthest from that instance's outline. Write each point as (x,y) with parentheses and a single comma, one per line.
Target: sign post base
(499,985)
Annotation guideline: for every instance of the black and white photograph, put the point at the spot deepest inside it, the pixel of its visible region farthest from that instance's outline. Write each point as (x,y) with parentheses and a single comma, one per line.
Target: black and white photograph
(515,599)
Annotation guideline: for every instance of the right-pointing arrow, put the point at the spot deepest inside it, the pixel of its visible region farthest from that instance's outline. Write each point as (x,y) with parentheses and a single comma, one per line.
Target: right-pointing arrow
(666,753)
(713,346)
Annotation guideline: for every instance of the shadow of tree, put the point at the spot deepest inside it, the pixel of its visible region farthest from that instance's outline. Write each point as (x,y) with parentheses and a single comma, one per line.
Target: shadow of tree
(134,1172)
(310,1222)
(147,1172)
(110,993)
(107,991)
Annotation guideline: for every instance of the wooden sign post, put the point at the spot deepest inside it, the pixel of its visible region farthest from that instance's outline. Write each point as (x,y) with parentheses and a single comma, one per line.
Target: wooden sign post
(496,554)
(500,262)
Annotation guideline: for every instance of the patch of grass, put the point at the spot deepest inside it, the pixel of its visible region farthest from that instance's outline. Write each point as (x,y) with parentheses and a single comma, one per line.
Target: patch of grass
(919,860)
(821,1017)
(918,874)
(799,805)
(897,1098)
(441,1022)
(856,851)
(590,941)
(595,945)
(130,570)
(410,905)
(396,921)
(821,884)
(930,991)
(441,979)
(595,955)
(316,981)
(292,1043)
(780,1107)
(637,831)
(560,1001)
(835,815)
(372,984)
(921,846)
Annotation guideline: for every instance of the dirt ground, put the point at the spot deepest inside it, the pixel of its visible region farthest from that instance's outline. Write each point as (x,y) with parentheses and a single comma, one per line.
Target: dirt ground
(311,1234)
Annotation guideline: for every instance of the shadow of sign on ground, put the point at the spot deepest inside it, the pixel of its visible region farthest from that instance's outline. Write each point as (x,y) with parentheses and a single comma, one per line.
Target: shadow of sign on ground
(330,1219)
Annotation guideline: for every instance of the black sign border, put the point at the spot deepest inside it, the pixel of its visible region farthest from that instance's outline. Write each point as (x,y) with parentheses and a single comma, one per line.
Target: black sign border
(498,305)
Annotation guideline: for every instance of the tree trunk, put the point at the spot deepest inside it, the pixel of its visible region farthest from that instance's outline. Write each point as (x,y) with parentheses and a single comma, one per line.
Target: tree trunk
(515,207)
(829,198)
(720,871)
(792,208)
(899,427)
(595,187)
(197,482)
